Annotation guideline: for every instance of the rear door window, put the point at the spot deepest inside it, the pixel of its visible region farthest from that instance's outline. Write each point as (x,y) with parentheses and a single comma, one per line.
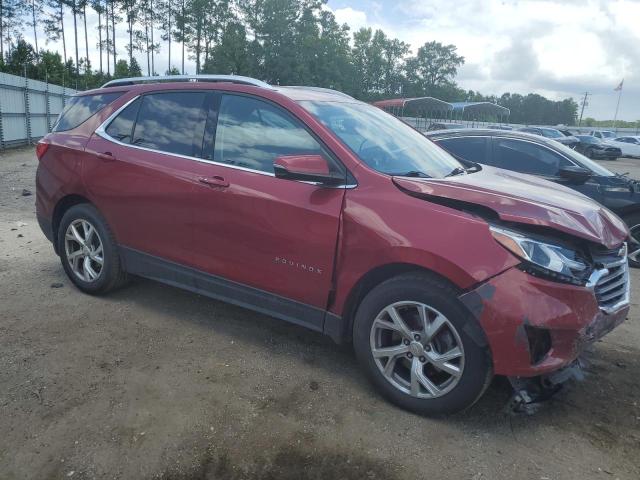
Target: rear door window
(473,149)
(80,108)
(172,122)
(121,128)
(526,157)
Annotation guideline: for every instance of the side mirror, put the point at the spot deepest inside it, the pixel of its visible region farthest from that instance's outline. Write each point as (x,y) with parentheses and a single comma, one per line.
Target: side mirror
(306,168)
(575,174)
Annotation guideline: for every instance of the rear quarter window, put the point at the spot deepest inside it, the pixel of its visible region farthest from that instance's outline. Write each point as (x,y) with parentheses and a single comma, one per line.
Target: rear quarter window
(79,109)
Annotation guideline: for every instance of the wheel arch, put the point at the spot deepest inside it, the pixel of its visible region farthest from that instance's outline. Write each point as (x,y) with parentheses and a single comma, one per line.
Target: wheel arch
(372,279)
(64,204)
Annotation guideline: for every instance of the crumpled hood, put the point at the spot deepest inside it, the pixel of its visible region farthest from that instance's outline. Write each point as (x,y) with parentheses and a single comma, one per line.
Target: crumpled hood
(526,199)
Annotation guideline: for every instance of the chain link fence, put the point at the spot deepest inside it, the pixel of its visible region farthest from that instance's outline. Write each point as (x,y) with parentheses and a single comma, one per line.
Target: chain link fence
(28,109)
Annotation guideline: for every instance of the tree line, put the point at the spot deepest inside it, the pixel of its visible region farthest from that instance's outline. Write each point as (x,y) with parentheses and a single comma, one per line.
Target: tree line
(288,42)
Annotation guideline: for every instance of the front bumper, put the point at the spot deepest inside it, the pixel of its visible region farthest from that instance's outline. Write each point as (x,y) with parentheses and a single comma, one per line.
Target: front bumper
(514,305)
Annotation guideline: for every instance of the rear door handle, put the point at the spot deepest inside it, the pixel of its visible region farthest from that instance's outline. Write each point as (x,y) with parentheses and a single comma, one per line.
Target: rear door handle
(106,156)
(215,181)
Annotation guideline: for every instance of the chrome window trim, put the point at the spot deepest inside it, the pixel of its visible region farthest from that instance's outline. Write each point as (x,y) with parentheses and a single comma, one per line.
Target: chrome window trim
(101,131)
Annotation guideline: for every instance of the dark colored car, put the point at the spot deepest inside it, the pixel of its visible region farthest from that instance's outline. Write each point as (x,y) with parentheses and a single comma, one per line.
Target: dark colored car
(443,126)
(324,211)
(553,133)
(595,148)
(535,155)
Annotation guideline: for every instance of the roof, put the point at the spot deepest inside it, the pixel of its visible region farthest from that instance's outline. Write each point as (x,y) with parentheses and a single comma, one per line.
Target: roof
(479,108)
(486,132)
(424,104)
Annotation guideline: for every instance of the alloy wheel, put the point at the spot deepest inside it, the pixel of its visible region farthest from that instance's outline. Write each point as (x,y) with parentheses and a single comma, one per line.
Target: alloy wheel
(417,349)
(84,251)
(634,261)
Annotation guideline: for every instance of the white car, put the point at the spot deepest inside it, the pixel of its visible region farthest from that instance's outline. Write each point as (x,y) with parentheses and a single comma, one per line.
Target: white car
(630,145)
(603,134)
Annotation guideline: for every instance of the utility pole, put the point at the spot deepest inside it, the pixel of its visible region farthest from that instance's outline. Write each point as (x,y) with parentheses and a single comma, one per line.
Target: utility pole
(615,117)
(584,104)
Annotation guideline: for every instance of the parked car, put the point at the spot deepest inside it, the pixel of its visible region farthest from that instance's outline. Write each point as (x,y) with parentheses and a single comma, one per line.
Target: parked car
(603,134)
(500,127)
(567,133)
(534,155)
(595,148)
(629,146)
(552,133)
(329,213)
(443,126)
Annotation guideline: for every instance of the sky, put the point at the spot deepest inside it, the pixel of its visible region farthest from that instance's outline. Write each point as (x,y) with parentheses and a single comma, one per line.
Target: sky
(557,48)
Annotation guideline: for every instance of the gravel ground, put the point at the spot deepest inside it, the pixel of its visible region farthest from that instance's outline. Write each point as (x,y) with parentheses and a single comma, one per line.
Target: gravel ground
(155,382)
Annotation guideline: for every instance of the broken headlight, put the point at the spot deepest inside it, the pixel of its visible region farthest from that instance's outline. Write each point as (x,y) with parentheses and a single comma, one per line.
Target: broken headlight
(544,258)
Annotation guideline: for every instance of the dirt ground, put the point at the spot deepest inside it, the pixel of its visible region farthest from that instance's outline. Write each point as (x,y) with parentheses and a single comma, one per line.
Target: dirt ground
(156,383)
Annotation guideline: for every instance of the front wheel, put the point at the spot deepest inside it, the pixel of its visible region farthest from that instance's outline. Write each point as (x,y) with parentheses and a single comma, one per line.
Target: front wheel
(633,222)
(420,346)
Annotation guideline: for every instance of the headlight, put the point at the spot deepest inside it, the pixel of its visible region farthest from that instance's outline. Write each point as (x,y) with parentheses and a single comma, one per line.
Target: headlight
(555,261)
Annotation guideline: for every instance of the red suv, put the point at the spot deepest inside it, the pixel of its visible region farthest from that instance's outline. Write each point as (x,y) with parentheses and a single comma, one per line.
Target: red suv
(307,205)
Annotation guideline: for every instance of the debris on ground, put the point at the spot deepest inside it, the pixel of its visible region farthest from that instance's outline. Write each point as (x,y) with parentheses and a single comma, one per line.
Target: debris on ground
(26,193)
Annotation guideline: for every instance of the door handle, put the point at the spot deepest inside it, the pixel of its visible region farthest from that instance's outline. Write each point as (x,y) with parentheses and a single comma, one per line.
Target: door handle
(106,156)
(215,181)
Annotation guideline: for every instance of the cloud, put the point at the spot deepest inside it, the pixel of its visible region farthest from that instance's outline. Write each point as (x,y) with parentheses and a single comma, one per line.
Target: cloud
(356,19)
(557,48)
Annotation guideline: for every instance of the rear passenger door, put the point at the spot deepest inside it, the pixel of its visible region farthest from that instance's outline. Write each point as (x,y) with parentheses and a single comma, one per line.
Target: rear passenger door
(276,236)
(140,175)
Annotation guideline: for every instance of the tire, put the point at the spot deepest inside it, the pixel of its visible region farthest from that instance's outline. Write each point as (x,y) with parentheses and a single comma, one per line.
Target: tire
(405,295)
(633,222)
(74,250)
(589,153)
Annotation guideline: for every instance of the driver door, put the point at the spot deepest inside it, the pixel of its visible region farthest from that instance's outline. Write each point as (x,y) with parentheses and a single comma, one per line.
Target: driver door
(272,235)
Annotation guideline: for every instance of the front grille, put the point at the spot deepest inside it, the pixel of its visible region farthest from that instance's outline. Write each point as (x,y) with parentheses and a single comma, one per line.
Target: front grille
(610,280)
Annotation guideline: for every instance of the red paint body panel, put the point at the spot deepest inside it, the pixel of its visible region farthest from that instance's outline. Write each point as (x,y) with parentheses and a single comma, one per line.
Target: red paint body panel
(514,299)
(148,198)
(382,226)
(265,232)
(527,199)
(303,242)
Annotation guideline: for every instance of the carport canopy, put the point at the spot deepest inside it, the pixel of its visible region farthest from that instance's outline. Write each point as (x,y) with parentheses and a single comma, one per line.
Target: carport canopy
(480,108)
(417,104)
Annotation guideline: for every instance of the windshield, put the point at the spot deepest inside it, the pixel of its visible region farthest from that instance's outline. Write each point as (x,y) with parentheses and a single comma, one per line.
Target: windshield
(584,161)
(608,134)
(383,142)
(551,133)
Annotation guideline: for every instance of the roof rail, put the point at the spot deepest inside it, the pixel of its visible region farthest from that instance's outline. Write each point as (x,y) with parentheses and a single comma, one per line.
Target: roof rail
(187,78)
(319,89)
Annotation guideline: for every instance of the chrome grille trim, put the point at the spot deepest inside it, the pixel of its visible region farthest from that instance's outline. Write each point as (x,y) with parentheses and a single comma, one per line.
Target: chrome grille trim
(610,282)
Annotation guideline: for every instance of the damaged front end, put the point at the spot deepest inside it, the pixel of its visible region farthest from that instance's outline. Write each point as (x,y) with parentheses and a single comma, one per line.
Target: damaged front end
(539,321)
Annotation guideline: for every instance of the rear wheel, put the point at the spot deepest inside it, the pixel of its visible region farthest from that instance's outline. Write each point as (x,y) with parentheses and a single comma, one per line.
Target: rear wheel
(88,251)
(420,346)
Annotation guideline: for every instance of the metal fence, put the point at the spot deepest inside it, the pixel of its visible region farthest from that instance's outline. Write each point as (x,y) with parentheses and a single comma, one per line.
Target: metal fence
(28,109)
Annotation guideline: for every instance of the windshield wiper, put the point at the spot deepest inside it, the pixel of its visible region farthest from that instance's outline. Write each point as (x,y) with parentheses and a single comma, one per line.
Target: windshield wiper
(412,173)
(456,171)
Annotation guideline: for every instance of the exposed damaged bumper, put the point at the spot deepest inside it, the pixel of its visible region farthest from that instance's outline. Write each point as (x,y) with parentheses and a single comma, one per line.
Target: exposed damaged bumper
(535,326)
